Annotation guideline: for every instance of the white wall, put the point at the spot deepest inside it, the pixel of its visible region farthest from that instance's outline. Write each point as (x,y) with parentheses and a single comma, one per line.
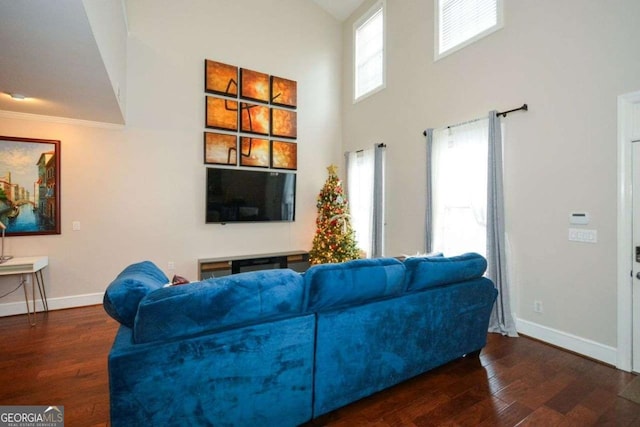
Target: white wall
(569,61)
(138,191)
(109,26)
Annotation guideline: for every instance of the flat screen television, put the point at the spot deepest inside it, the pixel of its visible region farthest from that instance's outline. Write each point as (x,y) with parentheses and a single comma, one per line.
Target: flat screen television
(239,195)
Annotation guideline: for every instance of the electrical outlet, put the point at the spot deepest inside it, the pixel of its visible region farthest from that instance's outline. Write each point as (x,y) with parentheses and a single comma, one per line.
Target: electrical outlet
(537,307)
(171,265)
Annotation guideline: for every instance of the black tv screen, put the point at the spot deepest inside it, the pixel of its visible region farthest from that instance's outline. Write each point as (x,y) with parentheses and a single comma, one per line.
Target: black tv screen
(238,195)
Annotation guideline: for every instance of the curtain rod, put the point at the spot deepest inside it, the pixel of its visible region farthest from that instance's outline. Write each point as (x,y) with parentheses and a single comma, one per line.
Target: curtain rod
(381,145)
(524,107)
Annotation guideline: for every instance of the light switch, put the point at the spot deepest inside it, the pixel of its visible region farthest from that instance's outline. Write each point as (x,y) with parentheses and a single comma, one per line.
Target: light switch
(583,235)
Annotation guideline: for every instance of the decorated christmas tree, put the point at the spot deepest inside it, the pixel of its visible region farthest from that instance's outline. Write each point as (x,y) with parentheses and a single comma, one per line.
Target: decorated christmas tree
(334,240)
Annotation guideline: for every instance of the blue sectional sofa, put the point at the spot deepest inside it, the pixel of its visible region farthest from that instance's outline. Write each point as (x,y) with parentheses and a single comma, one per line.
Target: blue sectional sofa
(279,348)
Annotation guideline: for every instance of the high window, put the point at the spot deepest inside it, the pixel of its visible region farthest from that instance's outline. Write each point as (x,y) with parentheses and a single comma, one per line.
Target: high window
(369,47)
(461,22)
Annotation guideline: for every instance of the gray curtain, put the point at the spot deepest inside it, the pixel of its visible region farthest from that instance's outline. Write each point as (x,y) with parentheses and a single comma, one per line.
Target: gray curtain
(428,245)
(347,165)
(501,320)
(377,226)
(377,238)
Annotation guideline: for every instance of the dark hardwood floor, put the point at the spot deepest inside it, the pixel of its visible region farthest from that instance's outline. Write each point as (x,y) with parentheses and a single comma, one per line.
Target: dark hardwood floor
(515,381)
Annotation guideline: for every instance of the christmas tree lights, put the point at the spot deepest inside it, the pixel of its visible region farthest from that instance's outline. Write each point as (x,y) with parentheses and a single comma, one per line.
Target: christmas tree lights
(334,240)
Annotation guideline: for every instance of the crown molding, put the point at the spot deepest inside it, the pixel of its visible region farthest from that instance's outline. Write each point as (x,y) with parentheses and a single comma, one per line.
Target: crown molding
(60,120)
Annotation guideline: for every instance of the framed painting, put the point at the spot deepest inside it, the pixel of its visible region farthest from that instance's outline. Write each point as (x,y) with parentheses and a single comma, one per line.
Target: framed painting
(284,92)
(254,85)
(254,118)
(221,113)
(220,78)
(284,155)
(284,123)
(220,149)
(254,152)
(29,186)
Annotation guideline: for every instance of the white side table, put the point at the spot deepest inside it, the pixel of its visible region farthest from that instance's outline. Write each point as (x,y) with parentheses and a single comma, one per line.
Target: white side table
(29,265)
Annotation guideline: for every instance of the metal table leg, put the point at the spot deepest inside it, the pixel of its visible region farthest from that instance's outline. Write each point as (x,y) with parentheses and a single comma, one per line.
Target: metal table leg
(30,314)
(41,289)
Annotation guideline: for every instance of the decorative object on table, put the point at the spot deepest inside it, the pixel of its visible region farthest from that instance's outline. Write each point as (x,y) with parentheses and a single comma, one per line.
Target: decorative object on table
(334,240)
(284,155)
(29,186)
(220,149)
(3,257)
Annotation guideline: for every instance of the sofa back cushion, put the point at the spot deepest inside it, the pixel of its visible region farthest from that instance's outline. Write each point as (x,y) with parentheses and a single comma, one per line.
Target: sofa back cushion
(218,304)
(428,272)
(123,295)
(352,282)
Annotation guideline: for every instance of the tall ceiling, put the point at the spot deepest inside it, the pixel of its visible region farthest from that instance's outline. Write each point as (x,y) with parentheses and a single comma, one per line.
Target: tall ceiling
(48,53)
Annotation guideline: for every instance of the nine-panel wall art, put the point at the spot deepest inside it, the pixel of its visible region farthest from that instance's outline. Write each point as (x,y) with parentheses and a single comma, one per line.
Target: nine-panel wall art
(254,118)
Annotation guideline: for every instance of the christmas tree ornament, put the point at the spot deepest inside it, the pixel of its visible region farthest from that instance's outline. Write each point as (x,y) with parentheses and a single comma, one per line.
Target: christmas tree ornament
(334,240)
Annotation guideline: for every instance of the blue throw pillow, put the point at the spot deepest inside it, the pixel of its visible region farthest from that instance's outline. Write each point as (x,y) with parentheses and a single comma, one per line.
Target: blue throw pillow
(428,272)
(123,295)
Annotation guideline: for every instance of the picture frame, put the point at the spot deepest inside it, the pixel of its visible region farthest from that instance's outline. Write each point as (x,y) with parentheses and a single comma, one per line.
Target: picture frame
(284,155)
(284,123)
(220,78)
(254,118)
(220,149)
(254,152)
(30,186)
(221,113)
(284,92)
(254,85)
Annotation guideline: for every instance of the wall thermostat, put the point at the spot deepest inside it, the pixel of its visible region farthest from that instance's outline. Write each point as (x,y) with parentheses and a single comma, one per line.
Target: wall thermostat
(579,218)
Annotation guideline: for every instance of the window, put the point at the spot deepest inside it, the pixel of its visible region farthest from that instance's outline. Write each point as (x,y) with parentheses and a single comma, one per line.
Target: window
(365,193)
(369,46)
(459,157)
(461,22)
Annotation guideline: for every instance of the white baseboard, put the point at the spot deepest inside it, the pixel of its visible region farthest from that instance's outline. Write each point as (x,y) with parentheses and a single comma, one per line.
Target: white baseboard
(567,341)
(20,307)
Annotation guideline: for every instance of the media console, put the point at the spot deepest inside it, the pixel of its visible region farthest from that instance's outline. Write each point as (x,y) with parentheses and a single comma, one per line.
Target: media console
(218,267)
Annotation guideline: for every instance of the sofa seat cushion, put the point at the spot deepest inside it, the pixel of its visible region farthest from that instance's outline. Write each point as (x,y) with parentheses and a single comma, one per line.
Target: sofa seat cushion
(123,295)
(217,304)
(431,271)
(353,282)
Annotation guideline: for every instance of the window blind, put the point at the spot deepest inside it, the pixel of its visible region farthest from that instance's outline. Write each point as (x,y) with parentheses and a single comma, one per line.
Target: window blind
(462,20)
